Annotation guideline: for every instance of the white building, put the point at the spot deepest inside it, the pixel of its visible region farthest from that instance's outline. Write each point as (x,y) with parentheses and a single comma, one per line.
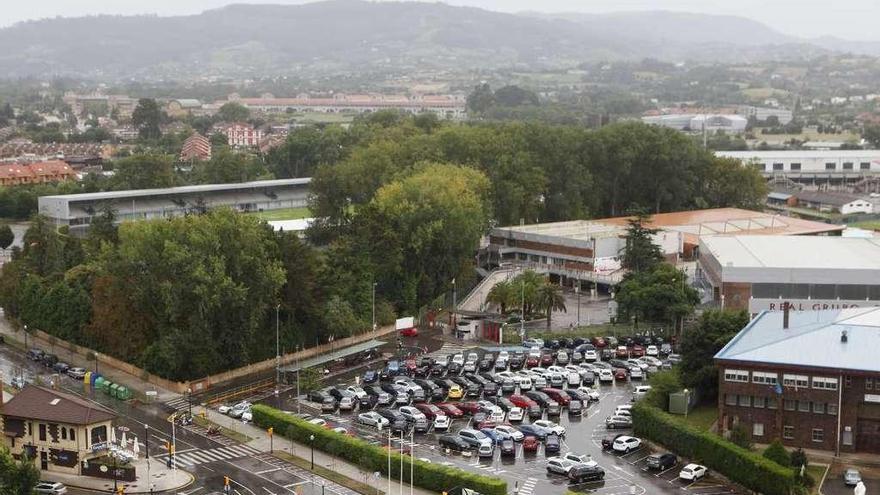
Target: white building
(730,124)
(763,113)
(810,162)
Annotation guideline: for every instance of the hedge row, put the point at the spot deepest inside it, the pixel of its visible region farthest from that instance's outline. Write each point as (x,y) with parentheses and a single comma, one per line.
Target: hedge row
(371,458)
(749,469)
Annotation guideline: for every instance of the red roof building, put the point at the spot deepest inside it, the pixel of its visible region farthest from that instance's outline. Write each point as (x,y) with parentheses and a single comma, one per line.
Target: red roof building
(196,148)
(14,174)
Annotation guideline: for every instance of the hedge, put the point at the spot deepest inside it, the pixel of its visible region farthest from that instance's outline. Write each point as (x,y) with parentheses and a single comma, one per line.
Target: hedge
(372,458)
(749,469)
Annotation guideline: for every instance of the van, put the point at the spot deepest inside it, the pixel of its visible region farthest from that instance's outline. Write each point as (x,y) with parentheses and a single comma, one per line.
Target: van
(640,391)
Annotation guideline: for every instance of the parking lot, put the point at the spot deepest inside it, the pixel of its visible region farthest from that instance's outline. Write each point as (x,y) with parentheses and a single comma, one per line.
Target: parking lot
(526,472)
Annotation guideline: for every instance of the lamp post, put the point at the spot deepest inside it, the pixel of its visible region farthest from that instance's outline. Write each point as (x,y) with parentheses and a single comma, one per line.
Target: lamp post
(25,337)
(147,455)
(189,394)
(277,345)
(577,290)
(115,488)
(687,402)
(312,445)
(374,306)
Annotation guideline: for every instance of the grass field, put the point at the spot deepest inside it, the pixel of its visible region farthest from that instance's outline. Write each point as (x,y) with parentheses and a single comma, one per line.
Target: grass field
(867,225)
(703,416)
(284,214)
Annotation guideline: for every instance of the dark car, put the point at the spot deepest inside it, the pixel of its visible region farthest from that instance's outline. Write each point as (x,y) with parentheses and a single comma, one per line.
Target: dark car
(558,395)
(367,401)
(327,402)
(426,361)
(453,369)
(430,411)
(396,420)
(546,358)
(575,407)
(507,447)
(470,388)
(517,360)
(552,344)
(661,461)
(431,389)
(608,442)
(551,443)
(532,430)
(438,369)
(454,442)
(545,401)
(49,360)
(582,473)
(370,376)
(490,388)
(607,353)
(35,354)
(508,386)
(60,367)
(383,398)
(487,362)
(577,395)
(503,402)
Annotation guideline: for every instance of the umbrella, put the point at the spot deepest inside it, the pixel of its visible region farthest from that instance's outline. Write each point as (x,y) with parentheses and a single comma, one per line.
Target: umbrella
(136,448)
(123,443)
(859,489)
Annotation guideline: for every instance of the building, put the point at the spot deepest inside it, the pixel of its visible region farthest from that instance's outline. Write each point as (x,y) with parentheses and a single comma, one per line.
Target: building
(122,105)
(833,202)
(761,114)
(59,431)
(810,163)
(444,106)
(195,148)
(77,210)
(761,272)
(711,123)
(12,174)
(183,107)
(240,135)
(808,379)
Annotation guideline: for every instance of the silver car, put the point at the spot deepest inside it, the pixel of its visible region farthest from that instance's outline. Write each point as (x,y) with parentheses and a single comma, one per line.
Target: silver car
(852,477)
(50,488)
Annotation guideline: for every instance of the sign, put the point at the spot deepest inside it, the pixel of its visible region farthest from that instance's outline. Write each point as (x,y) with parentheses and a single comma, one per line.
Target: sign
(404,323)
(758,305)
(872,398)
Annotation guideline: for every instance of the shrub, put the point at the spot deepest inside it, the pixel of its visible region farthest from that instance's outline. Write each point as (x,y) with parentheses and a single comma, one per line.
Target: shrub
(433,477)
(740,465)
(777,453)
(799,458)
(741,436)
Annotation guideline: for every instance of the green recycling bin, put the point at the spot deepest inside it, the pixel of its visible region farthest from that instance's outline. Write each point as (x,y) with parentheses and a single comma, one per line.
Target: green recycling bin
(106,386)
(123,393)
(113,389)
(99,383)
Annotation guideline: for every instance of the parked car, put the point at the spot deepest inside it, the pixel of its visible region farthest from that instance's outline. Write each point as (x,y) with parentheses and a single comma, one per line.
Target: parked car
(507,447)
(551,443)
(396,421)
(35,354)
(626,444)
(661,461)
(49,360)
(430,411)
(640,391)
(562,358)
(530,443)
(692,472)
(50,488)
(76,373)
(411,414)
(454,442)
(442,422)
(557,395)
(529,343)
(580,458)
(618,421)
(550,427)
(575,407)
(533,431)
(605,375)
(507,431)
(486,450)
(652,350)
(239,409)
(450,410)
(582,473)
(608,442)
(474,438)
(620,374)
(515,414)
(851,477)
(18,382)
(558,465)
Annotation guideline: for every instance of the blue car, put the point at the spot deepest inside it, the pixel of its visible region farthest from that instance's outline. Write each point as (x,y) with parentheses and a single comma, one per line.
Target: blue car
(492,434)
(371,376)
(532,430)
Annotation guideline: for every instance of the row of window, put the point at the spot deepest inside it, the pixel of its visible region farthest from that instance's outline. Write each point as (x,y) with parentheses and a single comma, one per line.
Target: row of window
(855,292)
(65,432)
(817,435)
(760,402)
(768,378)
(794,167)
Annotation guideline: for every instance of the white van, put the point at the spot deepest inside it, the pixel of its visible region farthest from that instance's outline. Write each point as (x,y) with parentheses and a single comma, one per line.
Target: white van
(640,391)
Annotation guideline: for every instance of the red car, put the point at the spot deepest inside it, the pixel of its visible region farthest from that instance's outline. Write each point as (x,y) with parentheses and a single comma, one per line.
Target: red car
(637,351)
(451,410)
(558,395)
(546,358)
(620,374)
(409,332)
(411,365)
(486,423)
(532,361)
(522,401)
(469,407)
(429,410)
(599,342)
(530,444)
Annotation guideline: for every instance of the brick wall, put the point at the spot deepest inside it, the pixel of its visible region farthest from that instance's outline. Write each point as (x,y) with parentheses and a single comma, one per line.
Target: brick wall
(542,247)
(736,295)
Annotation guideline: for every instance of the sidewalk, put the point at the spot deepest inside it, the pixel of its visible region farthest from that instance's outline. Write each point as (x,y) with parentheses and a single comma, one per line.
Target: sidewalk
(163,479)
(260,441)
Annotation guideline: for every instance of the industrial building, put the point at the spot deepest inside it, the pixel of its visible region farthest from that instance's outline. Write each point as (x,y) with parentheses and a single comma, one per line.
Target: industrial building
(77,210)
(809,379)
(760,272)
(799,164)
(730,124)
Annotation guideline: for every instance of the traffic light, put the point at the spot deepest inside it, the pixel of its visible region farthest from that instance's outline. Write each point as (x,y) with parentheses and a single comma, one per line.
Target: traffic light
(167,445)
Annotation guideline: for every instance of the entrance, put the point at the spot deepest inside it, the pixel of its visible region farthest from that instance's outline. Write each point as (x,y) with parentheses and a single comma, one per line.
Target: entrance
(44,461)
(868,436)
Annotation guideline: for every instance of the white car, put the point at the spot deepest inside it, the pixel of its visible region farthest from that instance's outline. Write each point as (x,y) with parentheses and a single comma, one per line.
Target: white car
(636,372)
(653,363)
(550,426)
(506,374)
(652,350)
(239,409)
(497,415)
(473,357)
(224,409)
(623,412)
(605,375)
(341,430)
(524,382)
(641,391)
(411,413)
(50,488)
(585,459)
(573,379)
(559,465)
(591,392)
(557,369)
(372,418)
(626,444)
(357,391)
(509,431)
(692,472)
(347,402)
(590,356)
(515,414)
(504,355)
(624,407)
(539,381)
(318,421)
(458,359)
(441,422)
(247,416)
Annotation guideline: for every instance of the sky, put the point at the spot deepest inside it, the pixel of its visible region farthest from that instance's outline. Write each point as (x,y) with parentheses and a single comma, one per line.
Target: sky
(848,19)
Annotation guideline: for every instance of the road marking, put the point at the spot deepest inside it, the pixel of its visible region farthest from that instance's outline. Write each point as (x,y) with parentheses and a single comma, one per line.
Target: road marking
(268,471)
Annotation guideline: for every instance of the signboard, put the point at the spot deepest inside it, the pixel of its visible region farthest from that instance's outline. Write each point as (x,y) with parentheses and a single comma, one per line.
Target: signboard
(404,323)
(872,398)
(758,305)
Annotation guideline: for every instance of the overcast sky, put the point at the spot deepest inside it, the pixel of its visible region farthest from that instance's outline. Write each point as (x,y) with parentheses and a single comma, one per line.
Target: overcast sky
(849,19)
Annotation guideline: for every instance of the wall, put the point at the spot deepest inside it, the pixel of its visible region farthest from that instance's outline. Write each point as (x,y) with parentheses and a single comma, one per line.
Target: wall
(736,295)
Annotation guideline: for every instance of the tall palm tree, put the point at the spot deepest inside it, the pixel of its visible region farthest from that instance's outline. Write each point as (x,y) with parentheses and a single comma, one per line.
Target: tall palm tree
(549,298)
(501,294)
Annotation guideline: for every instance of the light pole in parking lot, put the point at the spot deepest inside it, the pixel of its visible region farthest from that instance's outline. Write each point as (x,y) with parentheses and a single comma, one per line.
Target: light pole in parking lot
(277,346)
(312,445)
(687,402)
(374,306)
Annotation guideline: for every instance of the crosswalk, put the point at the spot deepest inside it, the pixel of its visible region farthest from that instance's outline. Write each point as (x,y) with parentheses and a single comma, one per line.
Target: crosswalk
(528,486)
(330,486)
(177,403)
(203,456)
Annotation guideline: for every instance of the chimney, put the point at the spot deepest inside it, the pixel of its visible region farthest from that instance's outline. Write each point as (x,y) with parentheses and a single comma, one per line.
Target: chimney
(843,337)
(785,309)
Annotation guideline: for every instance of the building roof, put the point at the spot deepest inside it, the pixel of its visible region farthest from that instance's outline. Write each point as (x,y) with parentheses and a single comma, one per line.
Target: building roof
(827,198)
(808,252)
(202,188)
(783,154)
(813,340)
(573,229)
(40,403)
(189,102)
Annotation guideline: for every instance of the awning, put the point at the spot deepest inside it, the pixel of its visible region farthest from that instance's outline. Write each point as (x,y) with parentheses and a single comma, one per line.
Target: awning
(329,357)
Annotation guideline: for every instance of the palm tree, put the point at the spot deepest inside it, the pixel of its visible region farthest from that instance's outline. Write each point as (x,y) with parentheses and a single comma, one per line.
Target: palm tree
(501,294)
(549,298)
(526,286)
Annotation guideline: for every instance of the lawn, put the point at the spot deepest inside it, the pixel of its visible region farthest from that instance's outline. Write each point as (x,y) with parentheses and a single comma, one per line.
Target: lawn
(284,214)
(703,416)
(816,472)
(867,225)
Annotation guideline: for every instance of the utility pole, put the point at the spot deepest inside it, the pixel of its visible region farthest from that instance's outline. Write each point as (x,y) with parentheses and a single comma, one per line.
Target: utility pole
(454,303)
(522,320)
(277,347)
(374,306)
(577,290)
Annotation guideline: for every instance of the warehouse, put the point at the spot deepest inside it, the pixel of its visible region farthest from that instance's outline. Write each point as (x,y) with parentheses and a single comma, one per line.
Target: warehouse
(809,273)
(810,379)
(810,163)
(77,210)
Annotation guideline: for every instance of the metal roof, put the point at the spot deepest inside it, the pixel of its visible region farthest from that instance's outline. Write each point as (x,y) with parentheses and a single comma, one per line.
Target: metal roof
(810,252)
(812,340)
(202,188)
(800,154)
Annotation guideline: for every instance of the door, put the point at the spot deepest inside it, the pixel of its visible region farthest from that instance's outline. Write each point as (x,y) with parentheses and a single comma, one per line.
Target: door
(44,461)
(868,436)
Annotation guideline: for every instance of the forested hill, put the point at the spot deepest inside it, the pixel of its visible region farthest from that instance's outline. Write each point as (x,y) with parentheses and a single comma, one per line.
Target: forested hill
(340,35)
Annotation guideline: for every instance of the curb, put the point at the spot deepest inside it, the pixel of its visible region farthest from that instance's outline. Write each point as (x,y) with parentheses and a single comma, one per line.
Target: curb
(191,480)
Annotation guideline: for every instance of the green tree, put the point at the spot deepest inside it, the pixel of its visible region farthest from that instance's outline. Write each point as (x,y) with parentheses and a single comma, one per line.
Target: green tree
(713,331)
(512,96)
(728,183)
(7,237)
(776,452)
(663,383)
(871,134)
(17,477)
(659,295)
(233,112)
(640,253)
(549,298)
(103,228)
(481,99)
(740,435)
(146,118)
(503,294)
(146,171)
(227,166)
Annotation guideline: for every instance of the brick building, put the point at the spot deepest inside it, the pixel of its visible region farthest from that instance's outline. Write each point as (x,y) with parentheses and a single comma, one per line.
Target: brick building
(240,135)
(13,174)
(810,379)
(195,148)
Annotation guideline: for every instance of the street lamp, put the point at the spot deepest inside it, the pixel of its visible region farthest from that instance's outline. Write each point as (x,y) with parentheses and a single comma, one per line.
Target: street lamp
(312,445)
(374,306)
(277,345)
(687,402)
(189,394)
(25,337)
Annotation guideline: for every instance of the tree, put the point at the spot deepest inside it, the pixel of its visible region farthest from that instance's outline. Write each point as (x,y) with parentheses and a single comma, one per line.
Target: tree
(103,228)
(146,171)
(226,166)
(481,99)
(740,435)
(871,134)
(713,331)
(512,96)
(17,477)
(233,112)
(146,118)
(549,298)
(503,295)
(659,295)
(7,237)
(640,253)
(728,183)
(776,452)
(799,458)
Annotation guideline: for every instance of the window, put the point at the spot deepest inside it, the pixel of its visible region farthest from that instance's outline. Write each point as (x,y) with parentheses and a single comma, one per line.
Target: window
(831,409)
(818,435)
(819,407)
(847,382)
(796,381)
(745,400)
(847,165)
(790,405)
(824,383)
(830,166)
(42,432)
(759,402)
(63,433)
(869,383)
(788,432)
(730,399)
(72,434)
(758,429)
(772,403)
(736,376)
(759,166)
(803,405)
(777,166)
(865,166)
(765,378)
(795,166)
